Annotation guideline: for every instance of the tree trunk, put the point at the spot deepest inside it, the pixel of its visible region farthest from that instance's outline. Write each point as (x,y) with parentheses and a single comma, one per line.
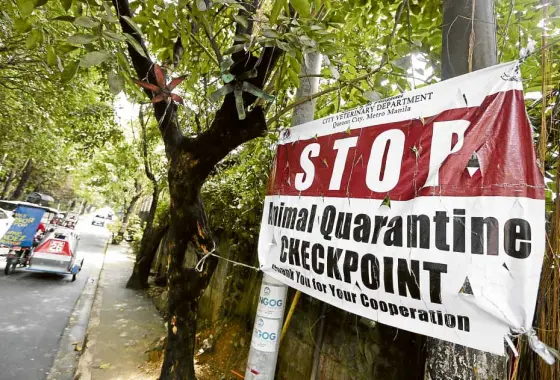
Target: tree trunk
(128,213)
(9,178)
(457,29)
(148,248)
(464,52)
(84,208)
(25,174)
(186,285)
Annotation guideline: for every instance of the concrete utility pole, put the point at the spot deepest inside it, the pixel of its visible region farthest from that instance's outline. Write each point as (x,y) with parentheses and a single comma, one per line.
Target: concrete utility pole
(467,46)
(272,300)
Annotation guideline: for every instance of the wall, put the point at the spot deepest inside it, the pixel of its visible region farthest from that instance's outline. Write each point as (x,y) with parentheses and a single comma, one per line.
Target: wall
(352,348)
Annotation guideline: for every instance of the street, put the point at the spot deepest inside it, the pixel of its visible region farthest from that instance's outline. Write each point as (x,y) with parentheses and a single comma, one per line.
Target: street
(36,308)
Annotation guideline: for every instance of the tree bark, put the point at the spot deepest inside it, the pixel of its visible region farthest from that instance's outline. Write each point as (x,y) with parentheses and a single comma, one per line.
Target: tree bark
(9,178)
(84,208)
(148,248)
(130,209)
(25,174)
(467,46)
(457,29)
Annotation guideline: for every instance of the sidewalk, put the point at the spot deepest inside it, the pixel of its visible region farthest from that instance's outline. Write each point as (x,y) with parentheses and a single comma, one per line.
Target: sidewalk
(124,325)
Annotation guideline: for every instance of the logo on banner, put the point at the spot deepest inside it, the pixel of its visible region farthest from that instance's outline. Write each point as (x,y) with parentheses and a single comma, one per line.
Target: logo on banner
(24,227)
(264,334)
(271,303)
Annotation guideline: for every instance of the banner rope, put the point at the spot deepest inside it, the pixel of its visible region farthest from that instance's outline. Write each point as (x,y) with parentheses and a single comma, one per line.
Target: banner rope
(200,265)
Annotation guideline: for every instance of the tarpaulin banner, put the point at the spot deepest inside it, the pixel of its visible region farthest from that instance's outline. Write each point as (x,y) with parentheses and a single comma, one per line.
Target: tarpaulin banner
(22,231)
(423,211)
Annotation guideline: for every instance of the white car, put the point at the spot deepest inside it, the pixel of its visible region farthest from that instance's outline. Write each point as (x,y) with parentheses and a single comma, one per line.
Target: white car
(98,220)
(6,221)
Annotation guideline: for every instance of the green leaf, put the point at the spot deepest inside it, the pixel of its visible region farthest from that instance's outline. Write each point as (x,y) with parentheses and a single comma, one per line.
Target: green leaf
(242,37)
(25,7)
(69,71)
(34,38)
(65,18)
(116,82)
(40,3)
(270,33)
(66,4)
(65,48)
(59,64)
(234,49)
(81,38)
(135,44)
(86,22)
(276,9)
(132,25)
(241,20)
(109,13)
(94,58)
(302,7)
(123,61)
(293,77)
(51,56)
(115,37)
(283,45)
(21,25)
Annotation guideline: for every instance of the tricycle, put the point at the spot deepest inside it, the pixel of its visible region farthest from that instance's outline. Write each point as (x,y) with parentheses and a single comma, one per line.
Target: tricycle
(34,248)
(57,253)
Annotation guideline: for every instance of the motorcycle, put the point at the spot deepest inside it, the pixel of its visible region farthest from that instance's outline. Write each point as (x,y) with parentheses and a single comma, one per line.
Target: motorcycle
(20,256)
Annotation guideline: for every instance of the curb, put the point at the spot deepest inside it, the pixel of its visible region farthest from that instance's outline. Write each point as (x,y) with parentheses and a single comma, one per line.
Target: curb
(85,362)
(66,361)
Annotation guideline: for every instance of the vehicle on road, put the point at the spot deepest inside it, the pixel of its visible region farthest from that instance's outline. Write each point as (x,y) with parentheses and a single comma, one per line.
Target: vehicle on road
(70,220)
(20,256)
(30,221)
(98,220)
(57,253)
(50,213)
(6,220)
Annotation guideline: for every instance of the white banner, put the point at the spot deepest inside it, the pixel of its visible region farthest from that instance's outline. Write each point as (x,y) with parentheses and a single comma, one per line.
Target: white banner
(424,211)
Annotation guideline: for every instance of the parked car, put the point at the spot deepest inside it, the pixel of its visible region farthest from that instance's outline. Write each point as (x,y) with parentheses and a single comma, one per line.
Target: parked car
(6,221)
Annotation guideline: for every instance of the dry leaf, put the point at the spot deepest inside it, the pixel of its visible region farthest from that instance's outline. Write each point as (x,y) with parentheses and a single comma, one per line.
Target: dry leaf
(105,366)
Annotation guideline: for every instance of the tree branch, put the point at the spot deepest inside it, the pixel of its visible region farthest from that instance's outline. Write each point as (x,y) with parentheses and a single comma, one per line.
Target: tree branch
(285,110)
(147,168)
(212,40)
(400,8)
(205,50)
(240,29)
(166,113)
(226,131)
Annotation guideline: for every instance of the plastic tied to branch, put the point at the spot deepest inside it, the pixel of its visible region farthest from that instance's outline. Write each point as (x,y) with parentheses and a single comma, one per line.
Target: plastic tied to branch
(238,87)
(200,265)
(547,353)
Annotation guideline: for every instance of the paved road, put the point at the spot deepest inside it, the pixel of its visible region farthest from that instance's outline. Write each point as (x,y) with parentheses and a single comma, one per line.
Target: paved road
(35,308)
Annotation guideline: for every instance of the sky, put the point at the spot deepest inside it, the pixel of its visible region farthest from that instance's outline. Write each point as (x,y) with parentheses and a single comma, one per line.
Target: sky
(125,111)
